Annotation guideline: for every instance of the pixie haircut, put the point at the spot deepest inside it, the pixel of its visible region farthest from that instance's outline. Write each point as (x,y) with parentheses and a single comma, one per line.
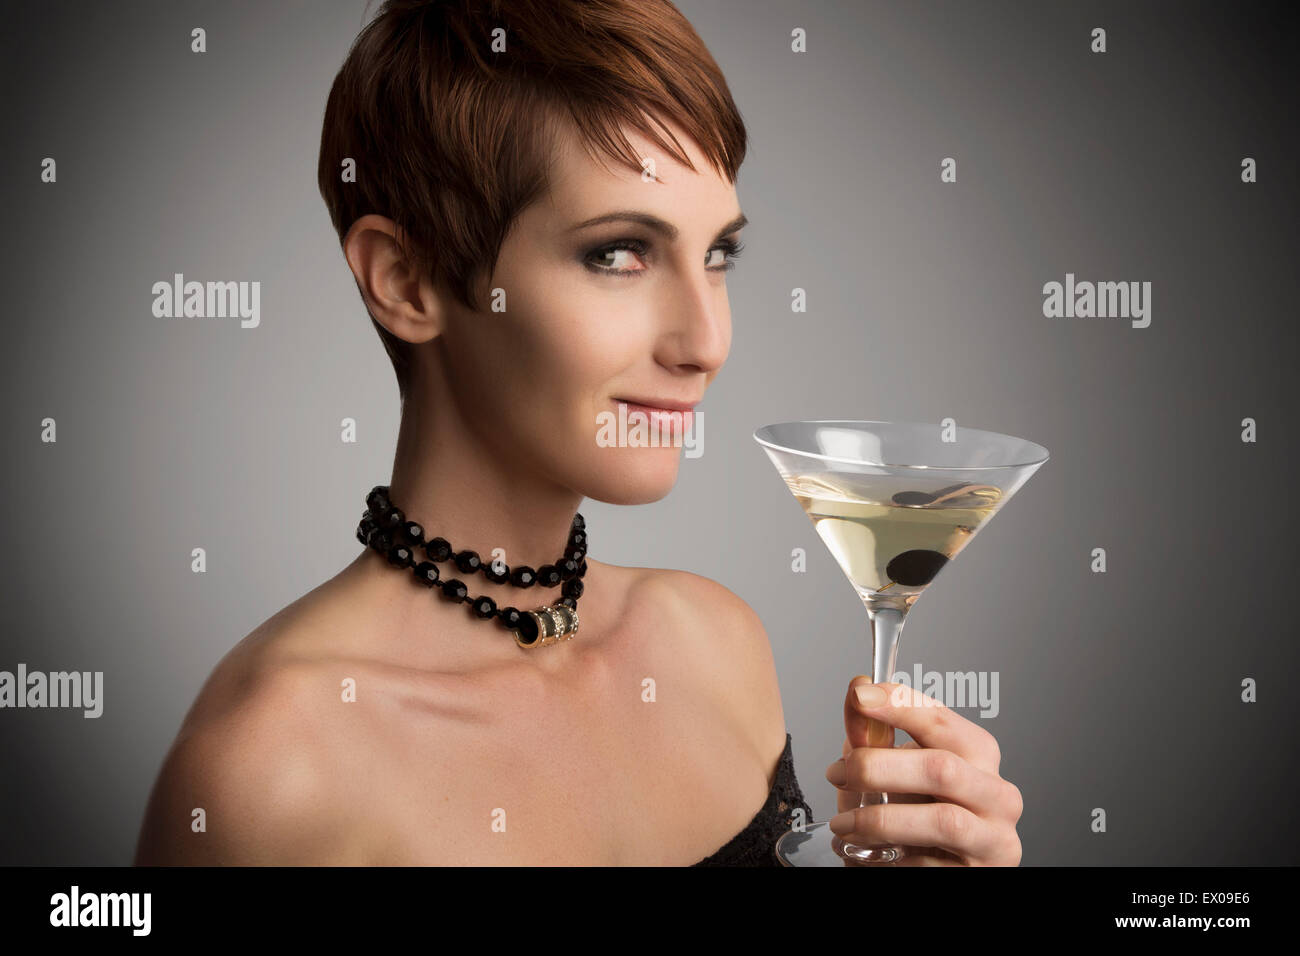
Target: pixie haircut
(452,136)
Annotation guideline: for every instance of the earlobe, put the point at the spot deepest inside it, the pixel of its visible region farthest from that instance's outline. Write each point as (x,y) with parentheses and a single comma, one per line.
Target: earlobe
(396,292)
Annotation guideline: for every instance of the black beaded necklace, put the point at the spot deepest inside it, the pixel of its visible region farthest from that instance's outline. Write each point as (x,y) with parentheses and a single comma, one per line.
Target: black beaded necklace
(384,528)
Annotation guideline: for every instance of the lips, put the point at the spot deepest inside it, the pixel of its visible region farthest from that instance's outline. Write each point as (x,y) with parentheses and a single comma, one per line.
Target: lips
(658,404)
(677,420)
(670,417)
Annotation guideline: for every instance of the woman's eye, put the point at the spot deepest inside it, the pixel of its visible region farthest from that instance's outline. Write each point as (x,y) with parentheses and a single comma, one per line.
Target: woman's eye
(730,248)
(615,259)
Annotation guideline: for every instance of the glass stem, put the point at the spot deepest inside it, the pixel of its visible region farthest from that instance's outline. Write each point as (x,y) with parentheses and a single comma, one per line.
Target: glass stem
(886,629)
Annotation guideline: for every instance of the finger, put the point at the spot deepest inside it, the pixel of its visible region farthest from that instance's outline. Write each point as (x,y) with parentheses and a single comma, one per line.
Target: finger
(943,825)
(848,747)
(938,773)
(848,799)
(927,856)
(845,750)
(926,720)
(933,851)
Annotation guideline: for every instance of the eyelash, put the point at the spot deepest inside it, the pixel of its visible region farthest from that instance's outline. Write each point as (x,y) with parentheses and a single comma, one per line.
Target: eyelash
(731,247)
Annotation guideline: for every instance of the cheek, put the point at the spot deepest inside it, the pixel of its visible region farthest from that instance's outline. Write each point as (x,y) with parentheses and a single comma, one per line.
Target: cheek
(590,363)
(535,378)
(579,336)
(541,371)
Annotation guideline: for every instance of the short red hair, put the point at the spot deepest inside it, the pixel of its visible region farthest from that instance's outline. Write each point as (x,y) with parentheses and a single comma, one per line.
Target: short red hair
(452,140)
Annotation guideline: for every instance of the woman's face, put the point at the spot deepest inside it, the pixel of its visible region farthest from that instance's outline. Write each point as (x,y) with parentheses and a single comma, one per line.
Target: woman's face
(598,313)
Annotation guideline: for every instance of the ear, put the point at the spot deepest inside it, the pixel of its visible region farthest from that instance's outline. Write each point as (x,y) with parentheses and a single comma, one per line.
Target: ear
(400,297)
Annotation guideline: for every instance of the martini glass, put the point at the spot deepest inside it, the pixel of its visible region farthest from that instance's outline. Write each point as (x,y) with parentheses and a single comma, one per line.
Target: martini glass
(894,502)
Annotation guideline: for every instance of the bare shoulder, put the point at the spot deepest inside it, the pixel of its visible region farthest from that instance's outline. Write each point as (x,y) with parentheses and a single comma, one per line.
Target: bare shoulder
(252,783)
(720,632)
(253,775)
(712,604)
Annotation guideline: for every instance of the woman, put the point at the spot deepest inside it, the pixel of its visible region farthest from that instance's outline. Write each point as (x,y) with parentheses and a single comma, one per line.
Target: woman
(375,720)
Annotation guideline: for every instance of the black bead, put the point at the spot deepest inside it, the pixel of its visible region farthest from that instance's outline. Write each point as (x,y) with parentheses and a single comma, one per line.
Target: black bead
(582,568)
(509,617)
(572,551)
(484,606)
(454,590)
(523,576)
(414,534)
(366,526)
(568,568)
(378,501)
(392,519)
(468,561)
(548,576)
(380,540)
(568,601)
(915,568)
(578,540)
(578,522)
(574,588)
(527,628)
(492,574)
(401,556)
(438,549)
(426,572)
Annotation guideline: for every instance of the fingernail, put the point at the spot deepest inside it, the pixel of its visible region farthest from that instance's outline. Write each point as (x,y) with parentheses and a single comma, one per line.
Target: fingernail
(842,823)
(836,773)
(869,695)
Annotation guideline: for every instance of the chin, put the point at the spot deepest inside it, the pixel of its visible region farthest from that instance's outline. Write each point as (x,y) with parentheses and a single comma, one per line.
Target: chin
(632,476)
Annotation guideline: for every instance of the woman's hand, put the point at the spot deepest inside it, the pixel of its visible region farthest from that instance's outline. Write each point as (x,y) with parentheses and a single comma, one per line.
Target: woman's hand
(947,804)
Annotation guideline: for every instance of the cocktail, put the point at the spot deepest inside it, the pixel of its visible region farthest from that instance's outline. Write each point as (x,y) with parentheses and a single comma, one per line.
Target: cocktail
(894,502)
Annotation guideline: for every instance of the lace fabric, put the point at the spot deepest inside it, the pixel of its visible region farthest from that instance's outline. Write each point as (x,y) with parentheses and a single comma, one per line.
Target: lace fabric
(754,845)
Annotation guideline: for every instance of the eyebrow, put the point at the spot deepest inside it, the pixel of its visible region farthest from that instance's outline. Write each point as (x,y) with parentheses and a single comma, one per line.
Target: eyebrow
(655,223)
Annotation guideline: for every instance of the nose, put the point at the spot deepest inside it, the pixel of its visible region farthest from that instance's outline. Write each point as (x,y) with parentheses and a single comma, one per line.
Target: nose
(696,326)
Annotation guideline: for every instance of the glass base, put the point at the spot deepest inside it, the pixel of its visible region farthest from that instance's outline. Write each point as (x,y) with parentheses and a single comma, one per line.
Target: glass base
(818,845)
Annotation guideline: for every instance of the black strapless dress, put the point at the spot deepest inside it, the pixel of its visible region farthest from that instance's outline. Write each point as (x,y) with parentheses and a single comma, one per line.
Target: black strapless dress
(754,845)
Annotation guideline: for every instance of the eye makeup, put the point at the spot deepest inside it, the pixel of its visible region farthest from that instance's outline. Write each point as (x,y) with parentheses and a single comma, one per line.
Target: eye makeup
(730,247)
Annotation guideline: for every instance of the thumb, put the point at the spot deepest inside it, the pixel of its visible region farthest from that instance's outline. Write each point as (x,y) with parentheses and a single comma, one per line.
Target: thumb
(861,730)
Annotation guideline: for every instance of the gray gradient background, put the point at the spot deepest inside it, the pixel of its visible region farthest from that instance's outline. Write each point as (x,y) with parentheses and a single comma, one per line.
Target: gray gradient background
(924,302)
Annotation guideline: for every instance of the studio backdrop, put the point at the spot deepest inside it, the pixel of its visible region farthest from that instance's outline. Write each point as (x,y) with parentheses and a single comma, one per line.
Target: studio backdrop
(1069,222)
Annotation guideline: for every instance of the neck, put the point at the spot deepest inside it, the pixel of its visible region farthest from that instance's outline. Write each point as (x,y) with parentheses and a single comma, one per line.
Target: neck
(460,488)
